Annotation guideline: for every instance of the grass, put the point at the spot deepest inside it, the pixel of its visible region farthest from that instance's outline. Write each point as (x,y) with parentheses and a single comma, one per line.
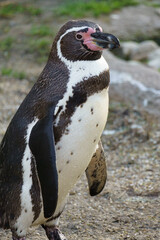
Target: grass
(11,73)
(11,9)
(152,4)
(6,44)
(41,31)
(41,38)
(94,8)
(40,48)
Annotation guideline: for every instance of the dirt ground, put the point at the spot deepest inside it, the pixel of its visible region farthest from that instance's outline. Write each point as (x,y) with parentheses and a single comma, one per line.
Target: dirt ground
(129,206)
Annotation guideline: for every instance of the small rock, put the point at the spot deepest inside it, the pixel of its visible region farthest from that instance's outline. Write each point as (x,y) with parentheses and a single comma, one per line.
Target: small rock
(155,63)
(137,51)
(127,49)
(154,54)
(157,11)
(114,16)
(143,50)
(154,59)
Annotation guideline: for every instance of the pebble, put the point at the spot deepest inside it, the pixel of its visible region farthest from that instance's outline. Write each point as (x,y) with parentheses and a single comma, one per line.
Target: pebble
(154,59)
(137,51)
(155,63)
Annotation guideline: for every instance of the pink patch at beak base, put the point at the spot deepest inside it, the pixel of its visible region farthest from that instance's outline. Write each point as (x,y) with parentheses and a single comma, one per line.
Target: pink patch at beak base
(89,41)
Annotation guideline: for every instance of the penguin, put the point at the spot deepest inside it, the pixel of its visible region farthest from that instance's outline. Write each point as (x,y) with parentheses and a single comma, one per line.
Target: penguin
(54,137)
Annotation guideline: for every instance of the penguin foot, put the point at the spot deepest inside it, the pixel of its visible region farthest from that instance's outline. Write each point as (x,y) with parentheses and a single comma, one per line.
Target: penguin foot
(53,233)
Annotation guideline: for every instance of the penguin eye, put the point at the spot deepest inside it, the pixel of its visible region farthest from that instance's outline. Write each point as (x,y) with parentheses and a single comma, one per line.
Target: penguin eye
(79,36)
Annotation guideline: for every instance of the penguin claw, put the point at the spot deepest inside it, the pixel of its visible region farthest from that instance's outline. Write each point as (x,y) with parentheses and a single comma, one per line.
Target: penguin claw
(53,233)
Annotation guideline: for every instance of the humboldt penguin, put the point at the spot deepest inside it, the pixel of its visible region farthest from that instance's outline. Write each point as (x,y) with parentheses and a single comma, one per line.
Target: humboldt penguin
(54,137)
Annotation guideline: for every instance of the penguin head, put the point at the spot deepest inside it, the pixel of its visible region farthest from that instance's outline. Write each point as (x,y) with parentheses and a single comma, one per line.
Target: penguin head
(83,40)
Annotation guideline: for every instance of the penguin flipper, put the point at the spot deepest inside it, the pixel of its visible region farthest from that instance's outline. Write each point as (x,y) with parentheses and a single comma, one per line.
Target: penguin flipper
(42,145)
(96,171)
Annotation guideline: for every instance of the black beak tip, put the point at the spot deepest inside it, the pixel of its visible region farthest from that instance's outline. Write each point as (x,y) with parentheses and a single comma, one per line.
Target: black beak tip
(118,44)
(114,43)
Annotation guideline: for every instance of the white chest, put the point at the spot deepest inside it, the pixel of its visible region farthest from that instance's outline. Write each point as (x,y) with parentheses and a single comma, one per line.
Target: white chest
(75,149)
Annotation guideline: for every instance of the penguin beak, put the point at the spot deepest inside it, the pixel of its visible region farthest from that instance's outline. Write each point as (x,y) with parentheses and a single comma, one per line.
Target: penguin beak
(105,40)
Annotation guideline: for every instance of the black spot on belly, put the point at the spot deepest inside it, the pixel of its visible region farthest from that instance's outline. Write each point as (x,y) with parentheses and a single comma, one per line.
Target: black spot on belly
(94,140)
(97,125)
(71,153)
(67,161)
(66,131)
(81,105)
(79,120)
(58,148)
(26,210)
(92,111)
(60,171)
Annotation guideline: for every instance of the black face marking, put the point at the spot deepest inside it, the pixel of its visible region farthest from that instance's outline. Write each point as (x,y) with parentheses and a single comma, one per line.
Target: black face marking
(74,50)
(81,92)
(84,30)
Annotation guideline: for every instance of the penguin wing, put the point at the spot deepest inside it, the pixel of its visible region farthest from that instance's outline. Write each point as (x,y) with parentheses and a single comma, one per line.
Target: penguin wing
(42,145)
(96,171)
